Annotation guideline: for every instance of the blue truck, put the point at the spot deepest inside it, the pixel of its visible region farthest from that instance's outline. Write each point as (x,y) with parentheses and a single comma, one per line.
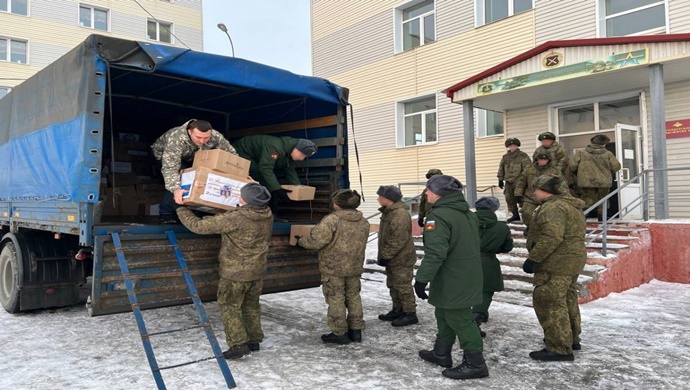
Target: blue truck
(70,134)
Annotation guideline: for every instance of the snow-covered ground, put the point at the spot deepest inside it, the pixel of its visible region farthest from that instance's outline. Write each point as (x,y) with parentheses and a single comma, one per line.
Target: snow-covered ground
(633,340)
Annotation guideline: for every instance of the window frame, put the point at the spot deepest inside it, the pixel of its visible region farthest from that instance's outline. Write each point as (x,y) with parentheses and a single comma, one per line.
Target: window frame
(602,18)
(93,9)
(480,14)
(9,9)
(8,59)
(398,33)
(158,31)
(481,118)
(400,120)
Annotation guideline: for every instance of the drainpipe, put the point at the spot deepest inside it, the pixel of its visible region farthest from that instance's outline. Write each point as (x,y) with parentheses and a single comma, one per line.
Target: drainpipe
(658,111)
(470,169)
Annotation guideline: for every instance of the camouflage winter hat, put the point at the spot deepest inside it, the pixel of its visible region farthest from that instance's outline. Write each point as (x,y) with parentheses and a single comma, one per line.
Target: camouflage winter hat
(307,147)
(547,135)
(255,194)
(542,156)
(433,172)
(443,185)
(347,199)
(600,139)
(390,192)
(512,141)
(552,184)
(487,203)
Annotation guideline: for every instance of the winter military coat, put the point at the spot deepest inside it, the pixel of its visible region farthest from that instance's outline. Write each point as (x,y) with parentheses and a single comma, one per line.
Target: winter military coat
(559,158)
(341,238)
(268,154)
(512,164)
(556,237)
(395,236)
(495,238)
(452,262)
(525,183)
(593,167)
(245,232)
(175,146)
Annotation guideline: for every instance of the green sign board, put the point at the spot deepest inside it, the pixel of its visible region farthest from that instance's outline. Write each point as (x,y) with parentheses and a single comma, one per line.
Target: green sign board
(608,64)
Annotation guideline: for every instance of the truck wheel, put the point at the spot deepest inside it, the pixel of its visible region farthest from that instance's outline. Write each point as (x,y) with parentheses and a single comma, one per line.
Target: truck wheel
(9,277)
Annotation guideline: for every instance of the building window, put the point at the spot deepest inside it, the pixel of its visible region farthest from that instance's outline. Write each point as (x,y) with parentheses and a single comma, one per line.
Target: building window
(488,11)
(489,123)
(417,122)
(19,7)
(632,17)
(92,17)
(415,24)
(13,50)
(159,31)
(4,91)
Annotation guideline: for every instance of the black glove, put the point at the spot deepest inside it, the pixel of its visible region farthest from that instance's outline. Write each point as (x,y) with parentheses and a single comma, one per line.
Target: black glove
(529,266)
(384,262)
(518,200)
(281,194)
(419,290)
(420,222)
(501,184)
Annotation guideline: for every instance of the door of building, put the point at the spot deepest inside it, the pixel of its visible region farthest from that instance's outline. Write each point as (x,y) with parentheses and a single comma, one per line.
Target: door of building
(628,153)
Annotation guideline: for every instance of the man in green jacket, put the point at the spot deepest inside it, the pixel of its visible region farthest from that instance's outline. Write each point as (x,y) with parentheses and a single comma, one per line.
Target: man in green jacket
(453,266)
(509,170)
(424,206)
(398,255)
(245,233)
(557,255)
(495,238)
(525,190)
(556,153)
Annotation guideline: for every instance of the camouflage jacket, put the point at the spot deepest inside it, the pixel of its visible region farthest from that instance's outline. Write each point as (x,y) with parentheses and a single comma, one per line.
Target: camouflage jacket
(512,164)
(341,239)
(395,236)
(556,237)
(559,159)
(525,183)
(175,146)
(593,167)
(495,238)
(245,232)
(268,154)
(424,206)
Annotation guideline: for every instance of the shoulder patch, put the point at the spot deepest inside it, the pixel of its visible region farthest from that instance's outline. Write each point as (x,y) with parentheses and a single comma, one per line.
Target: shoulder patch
(430,226)
(275,155)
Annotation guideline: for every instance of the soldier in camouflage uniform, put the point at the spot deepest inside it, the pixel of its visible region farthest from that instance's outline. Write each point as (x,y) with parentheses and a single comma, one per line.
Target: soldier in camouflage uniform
(524,190)
(397,253)
(175,149)
(557,255)
(341,239)
(556,153)
(245,233)
(509,170)
(424,206)
(591,171)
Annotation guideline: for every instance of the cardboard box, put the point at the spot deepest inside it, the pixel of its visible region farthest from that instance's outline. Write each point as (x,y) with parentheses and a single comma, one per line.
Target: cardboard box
(300,192)
(220,160)
(211,189)
(122,167)
(120,201)
(133,145)
(299,230)
(150,187)
(128,137)
(122,179)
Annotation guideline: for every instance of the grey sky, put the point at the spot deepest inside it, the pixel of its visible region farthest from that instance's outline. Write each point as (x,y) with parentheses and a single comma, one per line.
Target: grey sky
(272,32)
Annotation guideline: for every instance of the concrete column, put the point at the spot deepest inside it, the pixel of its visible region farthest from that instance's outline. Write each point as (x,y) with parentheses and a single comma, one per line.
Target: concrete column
(658,120)
(470,169)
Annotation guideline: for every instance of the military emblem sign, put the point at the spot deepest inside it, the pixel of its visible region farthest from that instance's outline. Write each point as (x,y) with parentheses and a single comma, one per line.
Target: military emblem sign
(275,155)
(552,60)
(430,226)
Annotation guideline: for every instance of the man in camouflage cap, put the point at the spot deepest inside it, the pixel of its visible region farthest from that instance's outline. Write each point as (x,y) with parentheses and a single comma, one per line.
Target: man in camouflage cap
(397,253)
(524,191)
(557,255)
(592,169)
(509,170)
(176,149)
(341,239)
(556,153)
(245,233)
(424,206)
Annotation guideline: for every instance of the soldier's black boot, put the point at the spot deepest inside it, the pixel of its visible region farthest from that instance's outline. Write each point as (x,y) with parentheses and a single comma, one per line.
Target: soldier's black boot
(514,217)
(335,339)
(439,355)
(254,346)
(236,352)
(392,315)
(548,356)
(480,318)
(355,335)
(406,319)
(472,366)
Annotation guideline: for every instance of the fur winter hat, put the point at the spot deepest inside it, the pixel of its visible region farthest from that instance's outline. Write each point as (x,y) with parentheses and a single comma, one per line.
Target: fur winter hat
(487,203)
(347,199)
(433,172)
(600,139)
(307,147)
(512,141)
(443,185)
(542,156)
(552,184)
(547,135)
(390,192)
(255,194)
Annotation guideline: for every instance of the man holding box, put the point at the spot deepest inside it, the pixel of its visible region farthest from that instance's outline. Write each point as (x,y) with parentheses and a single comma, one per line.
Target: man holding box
(175,149)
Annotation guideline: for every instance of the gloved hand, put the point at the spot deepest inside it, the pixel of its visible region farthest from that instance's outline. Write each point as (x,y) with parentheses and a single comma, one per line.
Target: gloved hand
(384,262)
(501,184)
(518,200)
(419,290)
(529,266)
(420,222)
(281,194)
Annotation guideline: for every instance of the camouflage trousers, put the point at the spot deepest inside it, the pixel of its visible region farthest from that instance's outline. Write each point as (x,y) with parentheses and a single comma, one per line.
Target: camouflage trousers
(344,303)
(399,283)
(509,193)
(527,210)
(240,311)
(459,323)
(592,195)
(555,303)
